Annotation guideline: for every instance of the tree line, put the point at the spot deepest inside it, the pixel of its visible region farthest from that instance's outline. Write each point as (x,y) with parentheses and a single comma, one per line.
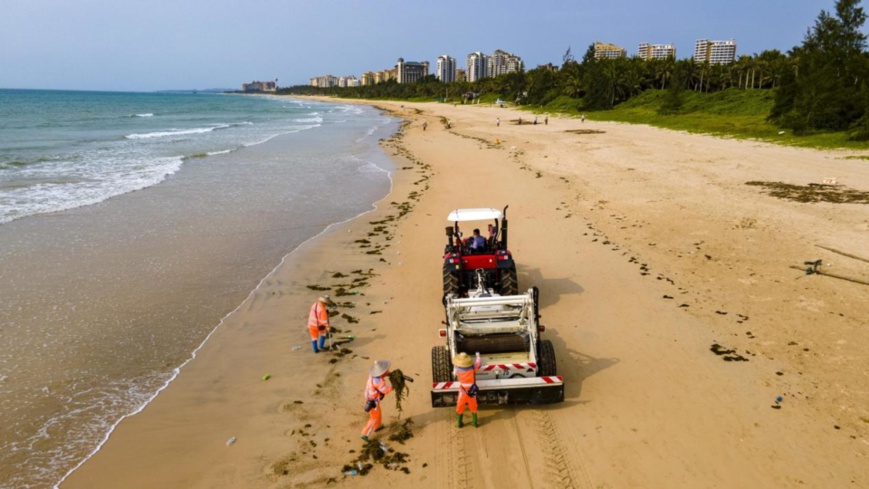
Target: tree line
(819,85)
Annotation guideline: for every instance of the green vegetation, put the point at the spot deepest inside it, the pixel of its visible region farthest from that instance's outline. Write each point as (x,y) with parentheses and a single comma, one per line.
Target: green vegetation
(815,95)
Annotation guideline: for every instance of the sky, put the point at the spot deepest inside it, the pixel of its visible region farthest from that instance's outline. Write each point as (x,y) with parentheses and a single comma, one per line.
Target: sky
(148,45)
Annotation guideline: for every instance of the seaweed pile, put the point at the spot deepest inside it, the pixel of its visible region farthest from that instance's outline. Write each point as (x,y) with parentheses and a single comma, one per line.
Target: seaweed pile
(399,384)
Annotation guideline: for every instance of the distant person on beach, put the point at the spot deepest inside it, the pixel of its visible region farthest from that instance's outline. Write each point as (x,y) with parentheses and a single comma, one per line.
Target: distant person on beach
(375,390)
(498,122)
(535,120)
(582,118)
(465,369)
(424,125)
(520,121)
(318,322)
(546,120)
(449,123)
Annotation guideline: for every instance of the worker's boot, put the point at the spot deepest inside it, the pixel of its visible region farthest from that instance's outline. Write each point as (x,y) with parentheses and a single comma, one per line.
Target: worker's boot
(474,419)
(314,345)
(459,422)
(322,342)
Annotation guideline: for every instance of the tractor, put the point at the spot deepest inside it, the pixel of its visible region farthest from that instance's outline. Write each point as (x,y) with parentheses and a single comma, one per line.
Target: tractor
(490,261)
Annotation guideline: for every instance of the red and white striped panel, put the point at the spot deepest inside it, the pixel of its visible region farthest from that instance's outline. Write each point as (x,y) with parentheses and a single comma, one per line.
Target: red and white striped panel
(517,383)
(509,366)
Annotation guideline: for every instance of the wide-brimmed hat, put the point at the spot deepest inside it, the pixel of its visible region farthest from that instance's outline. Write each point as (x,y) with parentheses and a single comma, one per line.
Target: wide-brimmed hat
(326,300)
(463,360)
(379,368)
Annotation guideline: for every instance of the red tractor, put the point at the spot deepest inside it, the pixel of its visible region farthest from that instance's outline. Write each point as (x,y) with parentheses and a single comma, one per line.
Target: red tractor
(479,257)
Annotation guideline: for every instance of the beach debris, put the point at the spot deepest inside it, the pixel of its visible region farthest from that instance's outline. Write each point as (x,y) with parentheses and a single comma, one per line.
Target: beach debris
(296,348)
(403,432)
(813,266)
(813,192)
(727,354)
(777,404)
(399,384)
(230,441)
(267,376)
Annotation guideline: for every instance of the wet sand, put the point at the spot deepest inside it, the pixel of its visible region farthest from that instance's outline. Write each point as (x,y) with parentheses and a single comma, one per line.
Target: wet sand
(649,250)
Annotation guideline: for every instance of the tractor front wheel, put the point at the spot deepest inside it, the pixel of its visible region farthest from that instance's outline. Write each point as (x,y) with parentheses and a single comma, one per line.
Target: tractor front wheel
(441,369)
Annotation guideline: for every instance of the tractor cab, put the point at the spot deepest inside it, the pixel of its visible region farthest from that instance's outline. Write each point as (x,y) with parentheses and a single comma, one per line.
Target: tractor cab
(476,254)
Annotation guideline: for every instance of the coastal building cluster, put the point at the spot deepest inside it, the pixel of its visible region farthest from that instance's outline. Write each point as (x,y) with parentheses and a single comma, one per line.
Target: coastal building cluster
(479,65)
(705,51)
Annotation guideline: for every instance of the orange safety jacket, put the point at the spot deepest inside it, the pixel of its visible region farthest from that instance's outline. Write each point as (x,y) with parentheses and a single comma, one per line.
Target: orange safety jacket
(376,389)
(468,375)
(319,316)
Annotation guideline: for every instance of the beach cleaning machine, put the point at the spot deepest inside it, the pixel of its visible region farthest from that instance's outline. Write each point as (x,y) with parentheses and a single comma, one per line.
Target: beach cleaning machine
(518,366)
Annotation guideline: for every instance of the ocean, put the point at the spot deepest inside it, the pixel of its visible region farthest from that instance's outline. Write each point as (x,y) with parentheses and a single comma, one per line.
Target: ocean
(130,225)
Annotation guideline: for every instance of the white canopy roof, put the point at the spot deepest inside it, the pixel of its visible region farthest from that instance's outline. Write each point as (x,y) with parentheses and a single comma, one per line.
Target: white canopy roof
(474,214)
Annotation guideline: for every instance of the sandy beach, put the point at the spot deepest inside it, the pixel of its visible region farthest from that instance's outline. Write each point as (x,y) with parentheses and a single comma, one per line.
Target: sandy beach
(649,250)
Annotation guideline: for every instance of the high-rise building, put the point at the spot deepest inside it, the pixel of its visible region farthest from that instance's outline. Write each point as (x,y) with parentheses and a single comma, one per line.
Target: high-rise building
(446,69)
(656,51)
(608,51)
(476,66)
(411,71)
(714,52)
(502,62)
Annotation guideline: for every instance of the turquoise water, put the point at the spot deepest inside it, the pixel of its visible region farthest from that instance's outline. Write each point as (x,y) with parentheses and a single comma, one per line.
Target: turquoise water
(61,149)
(130,224)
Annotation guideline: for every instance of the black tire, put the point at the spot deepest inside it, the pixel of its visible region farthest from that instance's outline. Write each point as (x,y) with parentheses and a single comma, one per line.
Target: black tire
(509,282)
(441,367)
(546,359)
(451,283)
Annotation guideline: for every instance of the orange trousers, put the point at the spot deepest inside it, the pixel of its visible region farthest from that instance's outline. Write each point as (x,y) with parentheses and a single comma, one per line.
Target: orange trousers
(315,333)
(466,400)
(375,420)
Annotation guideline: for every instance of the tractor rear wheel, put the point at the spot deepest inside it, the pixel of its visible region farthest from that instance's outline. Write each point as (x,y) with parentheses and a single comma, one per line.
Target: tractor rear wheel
(546,359)
(509,282)
(451,283)
(441,370)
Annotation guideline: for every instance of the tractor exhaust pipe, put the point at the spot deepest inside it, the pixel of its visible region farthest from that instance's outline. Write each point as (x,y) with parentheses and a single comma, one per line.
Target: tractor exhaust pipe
(504,229)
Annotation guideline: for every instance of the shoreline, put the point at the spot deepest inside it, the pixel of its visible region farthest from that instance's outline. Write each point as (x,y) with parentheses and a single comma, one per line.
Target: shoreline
(177,371)
(560,186)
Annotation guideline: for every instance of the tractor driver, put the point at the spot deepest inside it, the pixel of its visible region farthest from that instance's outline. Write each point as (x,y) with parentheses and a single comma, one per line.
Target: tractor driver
(476,243)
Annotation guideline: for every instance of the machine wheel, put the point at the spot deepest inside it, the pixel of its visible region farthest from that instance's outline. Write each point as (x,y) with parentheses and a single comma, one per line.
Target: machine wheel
(441,368)
(509,282)
(451,283)
(546,359)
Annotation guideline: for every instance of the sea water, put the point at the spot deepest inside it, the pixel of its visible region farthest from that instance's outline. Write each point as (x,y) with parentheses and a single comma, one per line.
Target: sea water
(130,224)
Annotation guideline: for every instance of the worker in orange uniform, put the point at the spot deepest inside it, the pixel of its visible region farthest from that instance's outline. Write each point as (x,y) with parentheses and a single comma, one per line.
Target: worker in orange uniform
(375,390)
(465,369)
(318,322)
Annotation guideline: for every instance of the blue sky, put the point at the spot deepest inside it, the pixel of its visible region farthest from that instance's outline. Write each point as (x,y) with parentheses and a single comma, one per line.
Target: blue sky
(144,45)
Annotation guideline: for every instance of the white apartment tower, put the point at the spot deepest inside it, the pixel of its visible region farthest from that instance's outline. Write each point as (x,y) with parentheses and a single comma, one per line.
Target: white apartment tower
(714,52)
(446,69)
(476,66)
(410,71)
(502,62)
(656,51)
